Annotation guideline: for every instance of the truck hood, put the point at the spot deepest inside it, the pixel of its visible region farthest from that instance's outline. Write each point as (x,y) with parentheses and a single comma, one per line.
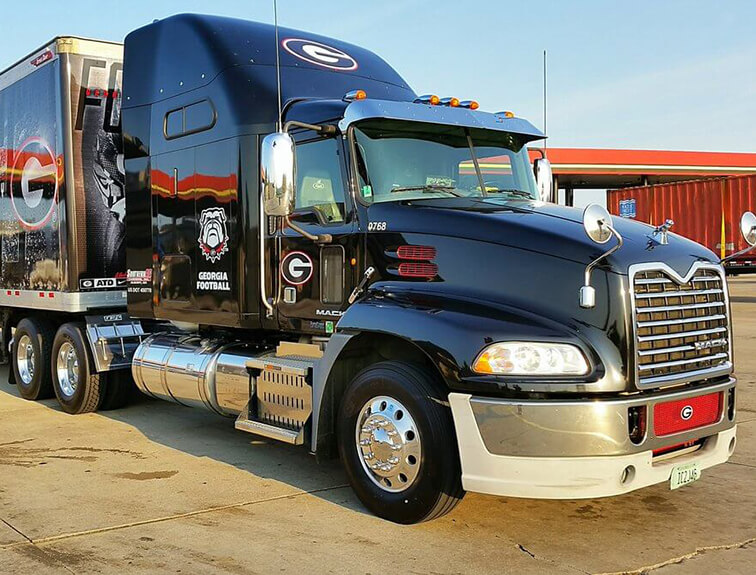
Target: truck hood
(538,227)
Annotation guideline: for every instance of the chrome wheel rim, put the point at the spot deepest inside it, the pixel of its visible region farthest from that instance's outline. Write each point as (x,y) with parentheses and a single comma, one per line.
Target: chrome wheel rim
(388,444)
(25,359)
(67,367)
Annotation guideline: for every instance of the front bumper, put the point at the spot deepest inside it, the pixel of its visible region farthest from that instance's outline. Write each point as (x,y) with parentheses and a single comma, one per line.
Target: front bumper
(575,449)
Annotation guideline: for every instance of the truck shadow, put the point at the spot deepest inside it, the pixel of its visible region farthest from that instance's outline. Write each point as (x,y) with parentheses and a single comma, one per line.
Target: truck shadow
(206,435)
(703,514)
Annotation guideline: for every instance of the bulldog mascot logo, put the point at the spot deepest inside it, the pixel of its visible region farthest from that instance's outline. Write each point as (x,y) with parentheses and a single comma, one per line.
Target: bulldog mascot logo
(213,237)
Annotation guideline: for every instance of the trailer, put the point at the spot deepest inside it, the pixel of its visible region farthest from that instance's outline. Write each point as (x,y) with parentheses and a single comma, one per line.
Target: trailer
(325,257)
(705,211)
(62,211)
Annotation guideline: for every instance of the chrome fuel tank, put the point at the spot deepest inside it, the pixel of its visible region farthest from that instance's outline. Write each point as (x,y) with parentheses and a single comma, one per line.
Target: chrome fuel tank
(194,371)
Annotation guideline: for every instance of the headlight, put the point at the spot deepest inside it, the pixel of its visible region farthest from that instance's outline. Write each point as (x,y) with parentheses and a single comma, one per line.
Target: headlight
(531,358)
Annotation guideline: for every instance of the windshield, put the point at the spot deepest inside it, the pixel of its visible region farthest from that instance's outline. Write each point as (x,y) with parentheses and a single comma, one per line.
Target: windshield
(401,160)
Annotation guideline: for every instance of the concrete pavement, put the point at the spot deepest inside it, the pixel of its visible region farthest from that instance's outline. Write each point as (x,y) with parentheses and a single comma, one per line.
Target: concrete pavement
(157,488)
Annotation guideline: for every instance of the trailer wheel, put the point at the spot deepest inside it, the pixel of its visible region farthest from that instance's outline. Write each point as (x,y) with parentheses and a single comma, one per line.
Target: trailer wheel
(117,389)
(77,386)
(397,442)
(32,344)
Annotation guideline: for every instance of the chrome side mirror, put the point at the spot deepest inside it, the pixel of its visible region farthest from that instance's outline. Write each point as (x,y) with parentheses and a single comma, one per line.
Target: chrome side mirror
(748,228)
(278,169)
(597,223)
(544,179)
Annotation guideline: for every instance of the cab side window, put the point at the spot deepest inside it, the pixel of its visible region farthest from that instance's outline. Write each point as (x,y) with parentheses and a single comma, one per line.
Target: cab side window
(320,186)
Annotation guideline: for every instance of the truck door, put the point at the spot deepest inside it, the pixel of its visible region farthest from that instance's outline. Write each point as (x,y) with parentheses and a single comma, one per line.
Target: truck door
(315,279)
(174,226)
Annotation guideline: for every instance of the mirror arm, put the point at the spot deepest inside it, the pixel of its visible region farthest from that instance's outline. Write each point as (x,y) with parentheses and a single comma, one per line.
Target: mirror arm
(322,129)
(320,238)
(740,253)
(263,271)
(588,292)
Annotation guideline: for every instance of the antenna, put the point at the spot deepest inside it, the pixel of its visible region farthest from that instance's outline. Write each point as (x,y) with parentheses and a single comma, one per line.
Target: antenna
(278,66)
(544,100)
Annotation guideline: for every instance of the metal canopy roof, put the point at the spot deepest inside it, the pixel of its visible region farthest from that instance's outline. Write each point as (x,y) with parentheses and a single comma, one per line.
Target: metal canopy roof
(602,168)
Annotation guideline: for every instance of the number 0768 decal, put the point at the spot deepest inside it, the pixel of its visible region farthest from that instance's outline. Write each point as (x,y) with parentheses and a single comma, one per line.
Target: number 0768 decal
(377,226)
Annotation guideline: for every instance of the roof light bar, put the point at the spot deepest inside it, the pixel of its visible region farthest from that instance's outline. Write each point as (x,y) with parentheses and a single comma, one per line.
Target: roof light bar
(430,99)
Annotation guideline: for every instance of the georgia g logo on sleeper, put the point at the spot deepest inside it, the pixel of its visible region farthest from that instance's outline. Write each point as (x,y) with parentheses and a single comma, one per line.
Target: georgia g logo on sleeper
(213,236)
(319,54)
(296,268)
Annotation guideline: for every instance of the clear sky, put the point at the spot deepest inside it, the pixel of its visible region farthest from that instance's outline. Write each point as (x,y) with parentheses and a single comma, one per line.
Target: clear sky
(663,74)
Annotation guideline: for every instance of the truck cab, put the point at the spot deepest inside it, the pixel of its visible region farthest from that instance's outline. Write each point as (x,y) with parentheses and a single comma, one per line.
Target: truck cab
(340,263)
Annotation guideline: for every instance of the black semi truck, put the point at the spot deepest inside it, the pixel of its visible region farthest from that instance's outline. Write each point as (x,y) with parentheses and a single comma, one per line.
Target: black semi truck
(342,264)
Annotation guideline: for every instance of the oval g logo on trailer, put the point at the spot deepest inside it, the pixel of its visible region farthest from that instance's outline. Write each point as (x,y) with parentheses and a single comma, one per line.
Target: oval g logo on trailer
(33,194)
(296,268)
(686,412)
(319,54)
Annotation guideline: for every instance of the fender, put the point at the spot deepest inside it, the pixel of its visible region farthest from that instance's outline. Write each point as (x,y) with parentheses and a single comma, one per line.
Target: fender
(452,330)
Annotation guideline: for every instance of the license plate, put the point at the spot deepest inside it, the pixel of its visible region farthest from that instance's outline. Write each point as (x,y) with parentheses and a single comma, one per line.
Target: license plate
(684,474)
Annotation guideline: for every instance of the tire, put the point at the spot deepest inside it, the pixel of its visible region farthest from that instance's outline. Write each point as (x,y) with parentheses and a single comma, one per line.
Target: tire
(425,482)
(30,358)
(117,390)
(77,386)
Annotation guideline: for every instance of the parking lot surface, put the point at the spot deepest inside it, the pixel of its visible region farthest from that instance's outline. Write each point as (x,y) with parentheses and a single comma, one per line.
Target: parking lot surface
(157,488)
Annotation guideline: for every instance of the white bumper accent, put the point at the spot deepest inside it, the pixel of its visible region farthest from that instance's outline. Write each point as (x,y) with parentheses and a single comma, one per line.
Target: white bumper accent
(564,477)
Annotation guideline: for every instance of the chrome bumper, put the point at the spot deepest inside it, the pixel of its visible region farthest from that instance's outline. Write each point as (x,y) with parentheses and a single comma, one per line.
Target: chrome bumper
(574,449)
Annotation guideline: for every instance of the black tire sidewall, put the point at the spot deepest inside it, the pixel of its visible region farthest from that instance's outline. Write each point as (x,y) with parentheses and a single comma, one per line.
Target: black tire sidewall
(439,464)
(71,333)
(39,386)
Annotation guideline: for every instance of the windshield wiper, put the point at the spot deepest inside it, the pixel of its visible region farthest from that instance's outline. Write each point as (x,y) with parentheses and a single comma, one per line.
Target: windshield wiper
(512,191)
(428,189)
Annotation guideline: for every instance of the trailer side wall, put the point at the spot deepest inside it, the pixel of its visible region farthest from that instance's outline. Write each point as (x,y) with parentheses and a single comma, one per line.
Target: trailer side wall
(706,211)
(32,183)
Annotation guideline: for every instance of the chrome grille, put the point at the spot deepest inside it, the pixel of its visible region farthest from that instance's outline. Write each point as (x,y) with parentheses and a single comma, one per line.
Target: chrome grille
(681,328)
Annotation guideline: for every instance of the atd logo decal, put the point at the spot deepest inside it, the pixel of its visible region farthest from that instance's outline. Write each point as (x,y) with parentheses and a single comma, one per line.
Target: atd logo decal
(213,236)
(319,54)
(296,268)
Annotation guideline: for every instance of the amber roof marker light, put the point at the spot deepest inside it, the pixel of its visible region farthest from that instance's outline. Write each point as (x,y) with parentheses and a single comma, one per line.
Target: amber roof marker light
(469,104)
(353,95)
(430,99)
(451,102)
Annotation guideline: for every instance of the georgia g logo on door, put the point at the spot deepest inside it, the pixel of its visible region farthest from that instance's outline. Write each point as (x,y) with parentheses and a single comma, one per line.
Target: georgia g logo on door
(319,54)
(296,268)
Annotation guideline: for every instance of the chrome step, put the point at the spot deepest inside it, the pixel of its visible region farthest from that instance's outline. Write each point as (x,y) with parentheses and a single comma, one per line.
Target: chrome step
(294,437)
(282,402)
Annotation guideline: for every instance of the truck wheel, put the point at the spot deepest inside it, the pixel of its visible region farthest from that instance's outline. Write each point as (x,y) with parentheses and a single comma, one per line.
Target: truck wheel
(117,390)
(77,386)
(32,344)
(396,439)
